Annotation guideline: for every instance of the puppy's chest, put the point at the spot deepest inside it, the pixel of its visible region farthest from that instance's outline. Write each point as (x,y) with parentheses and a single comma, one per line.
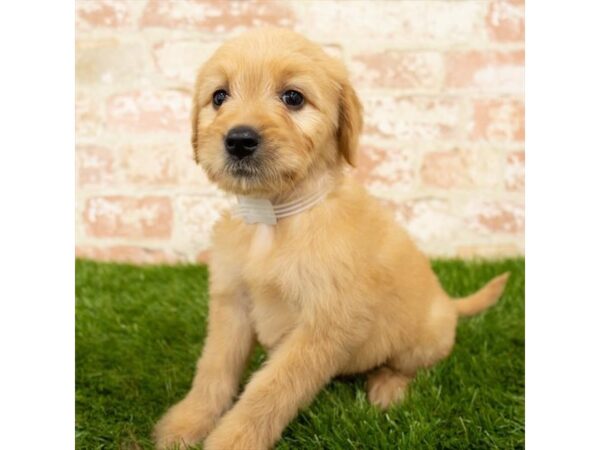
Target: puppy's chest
(273,268)
(275,309)
(272,316)
(271,276)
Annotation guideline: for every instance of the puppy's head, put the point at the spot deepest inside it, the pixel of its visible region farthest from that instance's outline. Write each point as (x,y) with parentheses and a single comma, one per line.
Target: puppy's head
(271,108)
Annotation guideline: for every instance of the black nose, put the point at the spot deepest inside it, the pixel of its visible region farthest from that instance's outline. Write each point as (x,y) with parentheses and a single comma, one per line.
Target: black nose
(241,141)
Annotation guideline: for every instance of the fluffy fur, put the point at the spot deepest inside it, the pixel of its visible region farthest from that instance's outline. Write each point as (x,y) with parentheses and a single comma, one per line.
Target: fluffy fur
(338,289)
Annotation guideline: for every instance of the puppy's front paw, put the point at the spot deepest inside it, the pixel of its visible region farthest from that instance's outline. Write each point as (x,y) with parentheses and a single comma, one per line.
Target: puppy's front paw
(184,425)
(232,434)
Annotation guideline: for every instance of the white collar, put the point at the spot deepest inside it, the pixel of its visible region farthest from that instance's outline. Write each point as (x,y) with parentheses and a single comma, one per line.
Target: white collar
(262,210)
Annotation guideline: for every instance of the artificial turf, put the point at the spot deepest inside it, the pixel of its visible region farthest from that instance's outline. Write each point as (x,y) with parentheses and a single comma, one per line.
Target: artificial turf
(139,331)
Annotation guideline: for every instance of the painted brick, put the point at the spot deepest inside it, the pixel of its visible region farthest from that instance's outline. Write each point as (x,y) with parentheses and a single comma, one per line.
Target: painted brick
(441,82)
(149,111)
(88,118)
(500,120)
(490,71)
(428,219)
(95,166)
(198,215)
(461,168)
(413,23)
(149,164)
(514,178)
(90,14)
(191,175)
(489,251)
(216,16)
(108,61)
(129,217)
(180,60)
(385,169)
(413,117)
(446,170)
(505,20)
(496,217)
(398,69)
(127,254)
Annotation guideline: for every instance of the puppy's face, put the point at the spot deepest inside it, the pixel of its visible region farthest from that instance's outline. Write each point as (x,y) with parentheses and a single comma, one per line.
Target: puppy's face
(271,108)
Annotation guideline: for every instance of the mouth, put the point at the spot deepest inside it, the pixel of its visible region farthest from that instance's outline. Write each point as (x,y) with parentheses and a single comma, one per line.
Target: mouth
(243,168)
(253,175)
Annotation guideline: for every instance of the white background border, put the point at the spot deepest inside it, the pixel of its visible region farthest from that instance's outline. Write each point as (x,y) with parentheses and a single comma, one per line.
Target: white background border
(563,224)
(37,231)
(37,363)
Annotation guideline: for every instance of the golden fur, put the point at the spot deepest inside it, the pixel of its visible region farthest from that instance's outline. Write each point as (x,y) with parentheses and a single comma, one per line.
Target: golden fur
(337,289)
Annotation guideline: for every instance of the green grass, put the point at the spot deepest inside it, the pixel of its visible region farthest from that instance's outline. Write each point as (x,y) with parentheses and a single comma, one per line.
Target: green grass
(139,331)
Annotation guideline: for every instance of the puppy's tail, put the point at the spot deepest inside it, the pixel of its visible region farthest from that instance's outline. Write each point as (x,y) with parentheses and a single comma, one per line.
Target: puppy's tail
(483,298)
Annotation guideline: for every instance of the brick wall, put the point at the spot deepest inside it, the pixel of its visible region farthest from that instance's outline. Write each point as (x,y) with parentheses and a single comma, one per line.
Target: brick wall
(441,83)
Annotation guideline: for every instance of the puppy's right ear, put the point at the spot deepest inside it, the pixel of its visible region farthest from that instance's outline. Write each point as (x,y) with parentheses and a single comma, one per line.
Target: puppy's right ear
(195,118)
(350,122)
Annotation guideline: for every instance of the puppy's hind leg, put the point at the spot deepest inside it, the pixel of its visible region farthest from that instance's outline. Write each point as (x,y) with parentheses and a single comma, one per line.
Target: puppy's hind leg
(388,384)
(386,387)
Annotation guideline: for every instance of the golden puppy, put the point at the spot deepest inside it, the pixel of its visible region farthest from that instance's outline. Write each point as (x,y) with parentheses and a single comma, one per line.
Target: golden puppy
(326,280)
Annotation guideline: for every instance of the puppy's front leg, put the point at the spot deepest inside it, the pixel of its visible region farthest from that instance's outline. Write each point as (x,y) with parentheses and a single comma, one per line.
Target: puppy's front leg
(228,344)
(308,359)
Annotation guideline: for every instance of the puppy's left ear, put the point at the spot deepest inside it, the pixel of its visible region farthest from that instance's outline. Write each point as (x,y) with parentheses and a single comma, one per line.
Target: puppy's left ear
(350,123)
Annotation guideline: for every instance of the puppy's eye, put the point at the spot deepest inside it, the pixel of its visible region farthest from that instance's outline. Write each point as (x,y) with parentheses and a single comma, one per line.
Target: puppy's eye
(293,99)
(219,97)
